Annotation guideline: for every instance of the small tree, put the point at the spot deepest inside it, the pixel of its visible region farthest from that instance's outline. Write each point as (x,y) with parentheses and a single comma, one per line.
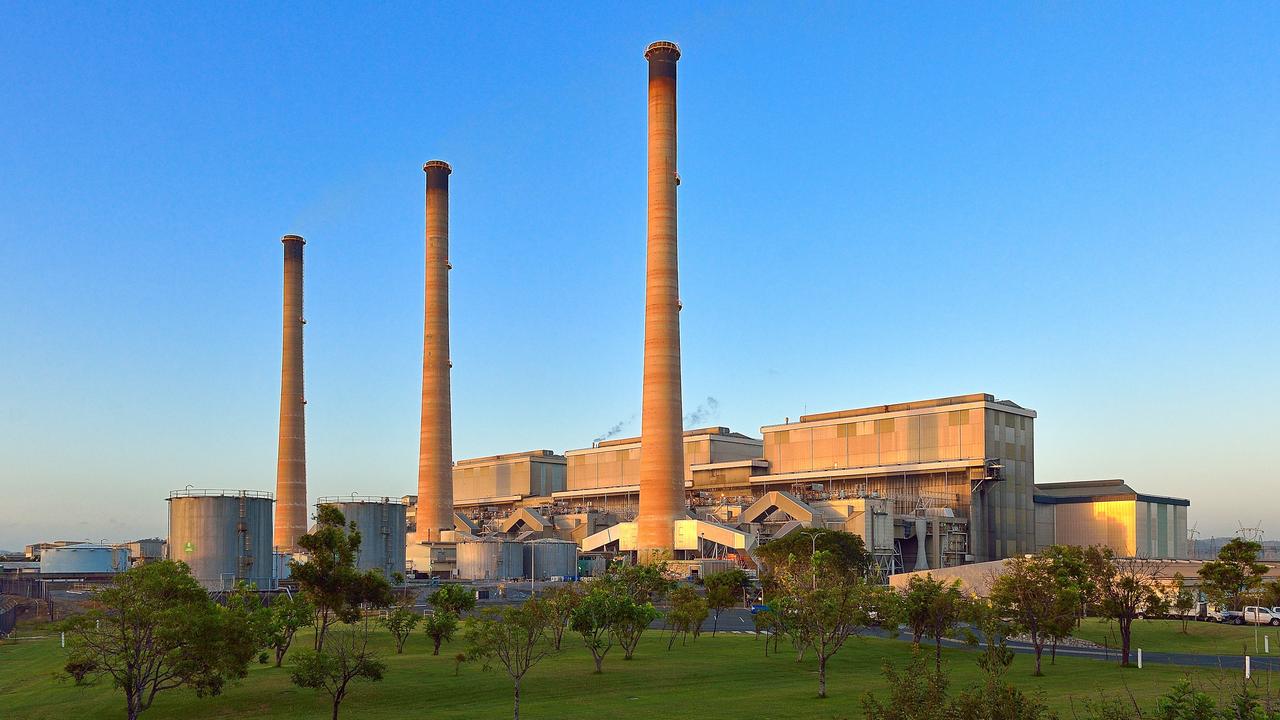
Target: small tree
(514,636)
(630,620)
(688,612)
(288,615)
(560,603)
(155,629)
(1183,599)
(645,582)
(931,608)
(1029,592)
(440,627)
(344,660)
(825,610)
(453,598)
(915,692)
(400,622)
(1234,574)
(724,590)
(593,619)
(1130,588)
(329,576)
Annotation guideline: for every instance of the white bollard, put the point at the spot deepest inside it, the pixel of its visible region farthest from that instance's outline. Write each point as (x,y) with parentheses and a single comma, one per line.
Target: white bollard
(1139,658)
(1266,644)
(1247,672)
(64,639)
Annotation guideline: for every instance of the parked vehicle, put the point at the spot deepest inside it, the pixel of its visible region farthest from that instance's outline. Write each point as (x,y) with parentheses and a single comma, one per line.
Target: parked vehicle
(1254,615)
(1233,617)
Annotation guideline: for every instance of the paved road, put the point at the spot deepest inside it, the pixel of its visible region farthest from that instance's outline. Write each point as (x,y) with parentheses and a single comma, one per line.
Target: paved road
(739,621)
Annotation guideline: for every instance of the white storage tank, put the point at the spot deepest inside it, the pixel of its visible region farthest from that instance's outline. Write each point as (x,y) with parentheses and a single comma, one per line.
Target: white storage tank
(84,559)
(549,557)
(490,559)
(382,525)
(223,535)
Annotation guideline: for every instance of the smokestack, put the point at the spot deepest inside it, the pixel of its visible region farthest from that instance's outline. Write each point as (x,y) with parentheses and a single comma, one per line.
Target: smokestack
(435,448)
(291,458)
(661,434)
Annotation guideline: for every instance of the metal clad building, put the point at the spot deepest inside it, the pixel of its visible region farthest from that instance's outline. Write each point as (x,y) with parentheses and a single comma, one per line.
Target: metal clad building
(1110,513)
(223,535)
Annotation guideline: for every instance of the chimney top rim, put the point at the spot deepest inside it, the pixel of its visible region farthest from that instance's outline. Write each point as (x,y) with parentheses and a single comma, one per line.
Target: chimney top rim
(662,47)
(293,238)
(427,166)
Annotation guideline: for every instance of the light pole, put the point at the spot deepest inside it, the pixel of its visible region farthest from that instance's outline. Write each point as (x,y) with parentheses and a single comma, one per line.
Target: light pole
(813,542)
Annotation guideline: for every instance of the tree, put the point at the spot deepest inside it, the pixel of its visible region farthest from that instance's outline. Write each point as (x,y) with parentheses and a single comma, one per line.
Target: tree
(453,598)
(514,636)
(329,576)
(155,629)
(915,693)
(1079,567)
(1183,600)
(400,622)
(440,626)
(645,582)
(1028,591)
(1130,588)
(848,554)
(630,620)
(345,660)
(1235,573)
(933,608)
(560,603)
(593,619)
(688,612)
(824,606)
(724,590)
(288,615)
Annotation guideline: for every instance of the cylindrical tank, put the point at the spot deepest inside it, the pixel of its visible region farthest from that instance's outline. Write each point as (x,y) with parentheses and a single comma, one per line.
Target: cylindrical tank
(490,559)
(381,522)
(549,557)
(83,559)
(223,535)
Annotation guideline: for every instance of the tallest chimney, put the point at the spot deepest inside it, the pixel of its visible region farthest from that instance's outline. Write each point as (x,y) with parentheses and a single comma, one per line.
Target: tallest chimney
(661,432)
(291,459)
(435,448)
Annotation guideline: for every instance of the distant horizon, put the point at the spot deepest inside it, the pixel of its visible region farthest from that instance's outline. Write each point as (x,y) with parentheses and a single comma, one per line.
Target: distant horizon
(1072,208)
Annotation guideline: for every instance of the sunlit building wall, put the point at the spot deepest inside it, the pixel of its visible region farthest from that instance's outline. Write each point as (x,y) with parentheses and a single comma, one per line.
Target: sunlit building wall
(1110,513)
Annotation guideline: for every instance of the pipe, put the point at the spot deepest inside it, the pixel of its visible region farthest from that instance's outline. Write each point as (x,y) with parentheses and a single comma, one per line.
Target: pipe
(661,431)
(434,515)
(291,457)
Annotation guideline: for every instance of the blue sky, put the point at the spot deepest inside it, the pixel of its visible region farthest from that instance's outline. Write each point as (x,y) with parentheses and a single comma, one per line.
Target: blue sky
(1073,206)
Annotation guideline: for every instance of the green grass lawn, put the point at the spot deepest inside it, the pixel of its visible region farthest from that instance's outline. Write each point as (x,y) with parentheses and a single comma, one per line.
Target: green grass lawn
(722,677)
(1204,638)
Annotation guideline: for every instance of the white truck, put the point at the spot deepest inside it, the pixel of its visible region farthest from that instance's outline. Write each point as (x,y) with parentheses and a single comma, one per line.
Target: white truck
(1255,615)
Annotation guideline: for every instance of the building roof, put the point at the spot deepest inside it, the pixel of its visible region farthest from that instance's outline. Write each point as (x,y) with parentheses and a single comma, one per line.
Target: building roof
(1084,491)
(696,432)
(546,455)
(915,407)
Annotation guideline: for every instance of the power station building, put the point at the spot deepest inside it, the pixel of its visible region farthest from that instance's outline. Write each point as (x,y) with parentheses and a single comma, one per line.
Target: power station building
(1110,513)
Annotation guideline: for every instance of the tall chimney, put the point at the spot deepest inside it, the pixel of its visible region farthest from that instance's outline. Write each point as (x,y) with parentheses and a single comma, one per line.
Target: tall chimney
(435,448)
(291,458)
(661,433)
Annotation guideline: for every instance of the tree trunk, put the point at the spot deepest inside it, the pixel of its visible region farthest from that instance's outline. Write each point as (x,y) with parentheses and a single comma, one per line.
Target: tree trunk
(516,706)
(336,703)
(715,624)
(1039,649)
(1126,630)
(672,641)
(1053,652)
(436,650)
(822,676)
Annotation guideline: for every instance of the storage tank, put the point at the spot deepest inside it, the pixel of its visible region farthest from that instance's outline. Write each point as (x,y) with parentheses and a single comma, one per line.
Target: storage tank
(490,559)
(84,559)
(223,535)
(381,522)
(549,557)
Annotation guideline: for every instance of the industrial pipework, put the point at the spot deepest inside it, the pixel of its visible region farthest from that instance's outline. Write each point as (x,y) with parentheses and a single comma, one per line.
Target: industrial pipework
(291,459)
(661,430)
(434,514)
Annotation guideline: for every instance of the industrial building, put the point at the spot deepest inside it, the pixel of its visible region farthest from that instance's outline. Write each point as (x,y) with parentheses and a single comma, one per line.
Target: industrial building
(1110,513)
